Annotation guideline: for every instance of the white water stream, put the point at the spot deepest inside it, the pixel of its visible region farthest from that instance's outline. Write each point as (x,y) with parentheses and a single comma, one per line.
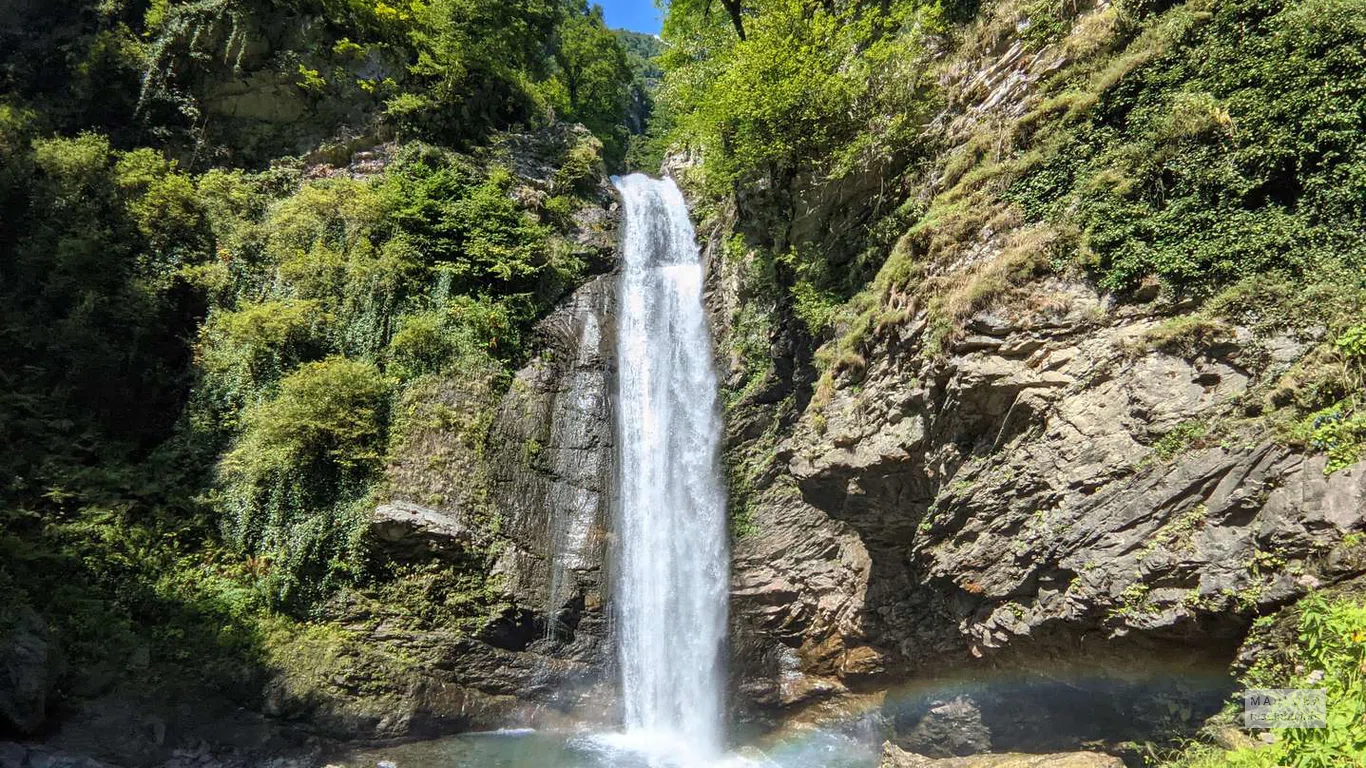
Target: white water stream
(672,568)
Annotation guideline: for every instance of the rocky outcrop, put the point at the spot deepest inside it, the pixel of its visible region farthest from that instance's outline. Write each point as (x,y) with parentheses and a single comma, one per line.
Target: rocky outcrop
(553,446)
(26,671)
(513,483)
(1049,499)
(177,724)
(18,756)
(408,532)
(894,757)
(947,728)
(1047,511)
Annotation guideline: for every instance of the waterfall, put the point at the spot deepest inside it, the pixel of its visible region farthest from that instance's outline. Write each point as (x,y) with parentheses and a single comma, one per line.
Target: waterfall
(672,571)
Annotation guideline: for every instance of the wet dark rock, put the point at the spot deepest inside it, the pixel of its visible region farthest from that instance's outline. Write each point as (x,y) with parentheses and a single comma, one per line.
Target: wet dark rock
(551,463)
(12,755)
(948,728)
(45,758)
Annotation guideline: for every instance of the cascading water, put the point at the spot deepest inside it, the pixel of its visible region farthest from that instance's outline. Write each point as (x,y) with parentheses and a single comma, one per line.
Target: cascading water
(672,569)
(670,566)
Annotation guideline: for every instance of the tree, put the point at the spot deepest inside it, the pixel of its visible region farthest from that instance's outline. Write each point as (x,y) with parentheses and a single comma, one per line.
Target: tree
(593,66)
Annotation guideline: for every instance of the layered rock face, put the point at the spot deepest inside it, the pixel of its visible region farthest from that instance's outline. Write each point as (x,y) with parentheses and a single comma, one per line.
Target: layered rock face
(552,458)
(545,472)
(27,670)
(1038,505)
(1051,523)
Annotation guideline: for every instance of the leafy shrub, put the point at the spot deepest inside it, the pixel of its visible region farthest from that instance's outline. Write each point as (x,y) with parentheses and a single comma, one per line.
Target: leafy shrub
(1180,438)
(295,480)
(422,344)
(326,419)
(1201,176)
(1351,344)
(1339,431)
(806,83)
(246,349)
(1330,654)
(816,308)
(580,169)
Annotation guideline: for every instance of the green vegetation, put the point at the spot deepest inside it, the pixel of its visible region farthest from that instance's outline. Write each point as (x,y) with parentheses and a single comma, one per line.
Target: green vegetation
(1180,438)
(216,346)
(805,83)
(1169,152)
(1185,170)
(1340,429)
(1329,652)
(447,71)
(226,331)
(324,300)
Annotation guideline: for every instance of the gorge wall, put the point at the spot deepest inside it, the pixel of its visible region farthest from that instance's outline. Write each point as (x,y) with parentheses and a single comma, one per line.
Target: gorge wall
(1008,513)
(1043,407)
(1045,516)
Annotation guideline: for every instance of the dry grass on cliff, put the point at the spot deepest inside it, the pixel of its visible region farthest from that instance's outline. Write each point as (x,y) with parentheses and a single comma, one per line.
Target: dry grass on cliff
(972,250)
(953,298)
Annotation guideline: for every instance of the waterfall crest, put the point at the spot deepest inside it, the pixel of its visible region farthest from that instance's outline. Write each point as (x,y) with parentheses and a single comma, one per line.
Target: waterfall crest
(672,571)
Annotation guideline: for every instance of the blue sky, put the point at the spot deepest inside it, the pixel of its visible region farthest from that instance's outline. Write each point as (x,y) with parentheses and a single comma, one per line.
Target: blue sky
(637,15)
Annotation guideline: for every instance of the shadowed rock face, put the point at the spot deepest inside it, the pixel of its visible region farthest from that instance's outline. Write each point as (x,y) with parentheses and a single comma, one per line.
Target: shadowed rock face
(26,671)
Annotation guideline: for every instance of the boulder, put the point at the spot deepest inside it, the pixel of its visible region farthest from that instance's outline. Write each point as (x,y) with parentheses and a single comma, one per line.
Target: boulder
(26,656)
(950,727)
(18,756)
(409,532)
(12,755)
(49,758)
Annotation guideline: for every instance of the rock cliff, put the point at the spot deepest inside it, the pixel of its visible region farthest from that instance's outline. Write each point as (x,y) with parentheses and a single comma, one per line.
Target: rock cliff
(1046,501)
(516,482)
(485,540)
(1017,511)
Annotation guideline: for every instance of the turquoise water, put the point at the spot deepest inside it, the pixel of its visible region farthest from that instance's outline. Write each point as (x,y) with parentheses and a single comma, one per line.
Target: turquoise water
(533,749)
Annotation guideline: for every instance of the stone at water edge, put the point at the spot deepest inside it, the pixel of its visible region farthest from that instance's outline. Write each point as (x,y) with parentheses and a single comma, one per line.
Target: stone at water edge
(12,755)
(895,757)
(18,756)
(950,728)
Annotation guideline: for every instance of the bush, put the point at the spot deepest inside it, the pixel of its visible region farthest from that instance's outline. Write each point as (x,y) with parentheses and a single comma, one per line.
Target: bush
(295,481)
(1195,167)
(1330,653)
(806,84)
(244,350)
